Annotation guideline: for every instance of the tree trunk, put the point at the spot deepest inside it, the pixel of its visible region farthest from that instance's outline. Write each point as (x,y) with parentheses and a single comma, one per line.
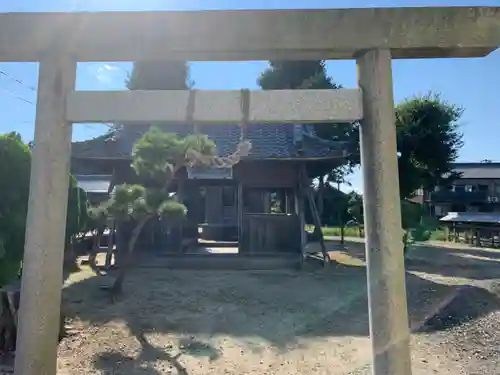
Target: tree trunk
(342,232)
(342,215)
(111,242)
(121,241)
(95,251)
(9,305)
(321,196)
(317,226)
(9,308)
(117,287)
(405,242)
(69,262)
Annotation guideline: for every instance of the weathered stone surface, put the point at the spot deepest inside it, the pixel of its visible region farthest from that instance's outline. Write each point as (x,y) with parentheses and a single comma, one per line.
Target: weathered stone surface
(219,107)
(252,35)
(389,328)
(46,223)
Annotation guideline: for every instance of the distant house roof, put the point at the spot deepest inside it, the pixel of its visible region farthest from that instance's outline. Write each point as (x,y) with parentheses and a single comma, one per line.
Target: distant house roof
(269,141)
(465,217)
(478,170)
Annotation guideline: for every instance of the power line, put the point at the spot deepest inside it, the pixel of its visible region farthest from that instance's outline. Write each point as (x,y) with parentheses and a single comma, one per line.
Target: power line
(32,88)
(13,94)
(17,96)
(14,79)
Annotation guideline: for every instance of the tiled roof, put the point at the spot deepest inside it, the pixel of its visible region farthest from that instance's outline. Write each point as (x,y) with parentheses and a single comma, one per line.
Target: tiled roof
(478,170)
(269,141)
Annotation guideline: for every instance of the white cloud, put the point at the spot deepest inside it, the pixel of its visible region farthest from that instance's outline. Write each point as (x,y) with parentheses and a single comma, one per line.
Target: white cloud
(106,73)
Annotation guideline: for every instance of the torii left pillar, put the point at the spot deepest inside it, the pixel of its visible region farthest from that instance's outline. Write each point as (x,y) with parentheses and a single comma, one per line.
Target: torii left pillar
(46,224)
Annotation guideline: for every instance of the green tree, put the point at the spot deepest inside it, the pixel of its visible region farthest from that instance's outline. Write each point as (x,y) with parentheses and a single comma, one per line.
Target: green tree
(411,214)
(77,216)
(76,220)
(336,178)
(416,226)
(15,162)
(428,142)
(355,207)
(335,202)
(156,158)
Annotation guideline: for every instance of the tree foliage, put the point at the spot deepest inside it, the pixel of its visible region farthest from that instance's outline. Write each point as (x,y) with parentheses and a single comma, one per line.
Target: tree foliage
(428,142)
(77,216)
(76,222)
(15,161)
(355,207)
(416,226)
(411,213)
(335,206)
(97,217)
(156,158)
(15,165)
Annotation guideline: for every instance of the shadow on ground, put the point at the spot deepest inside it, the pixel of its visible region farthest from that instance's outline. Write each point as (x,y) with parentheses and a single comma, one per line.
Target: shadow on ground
(467,303)
(472,263)
(282,308)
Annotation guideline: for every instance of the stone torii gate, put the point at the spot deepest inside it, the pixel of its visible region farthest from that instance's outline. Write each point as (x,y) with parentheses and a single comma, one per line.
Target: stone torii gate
(371,36)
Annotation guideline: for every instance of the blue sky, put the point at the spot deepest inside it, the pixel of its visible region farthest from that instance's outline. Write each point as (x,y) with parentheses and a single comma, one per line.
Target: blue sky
(470,83)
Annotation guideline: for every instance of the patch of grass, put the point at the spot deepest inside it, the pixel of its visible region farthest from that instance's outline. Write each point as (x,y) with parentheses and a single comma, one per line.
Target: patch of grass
(437,235)
(335,231)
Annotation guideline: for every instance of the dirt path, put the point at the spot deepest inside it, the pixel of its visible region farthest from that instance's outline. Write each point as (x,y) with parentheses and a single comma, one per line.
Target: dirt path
(281,322)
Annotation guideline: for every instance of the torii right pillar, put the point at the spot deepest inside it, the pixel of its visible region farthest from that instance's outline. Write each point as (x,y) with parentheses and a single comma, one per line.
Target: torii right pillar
(388,312)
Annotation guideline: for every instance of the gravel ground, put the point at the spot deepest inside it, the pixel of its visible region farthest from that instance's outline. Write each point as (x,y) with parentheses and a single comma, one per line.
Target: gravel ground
(476,341)
(458,340)
(281,322)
